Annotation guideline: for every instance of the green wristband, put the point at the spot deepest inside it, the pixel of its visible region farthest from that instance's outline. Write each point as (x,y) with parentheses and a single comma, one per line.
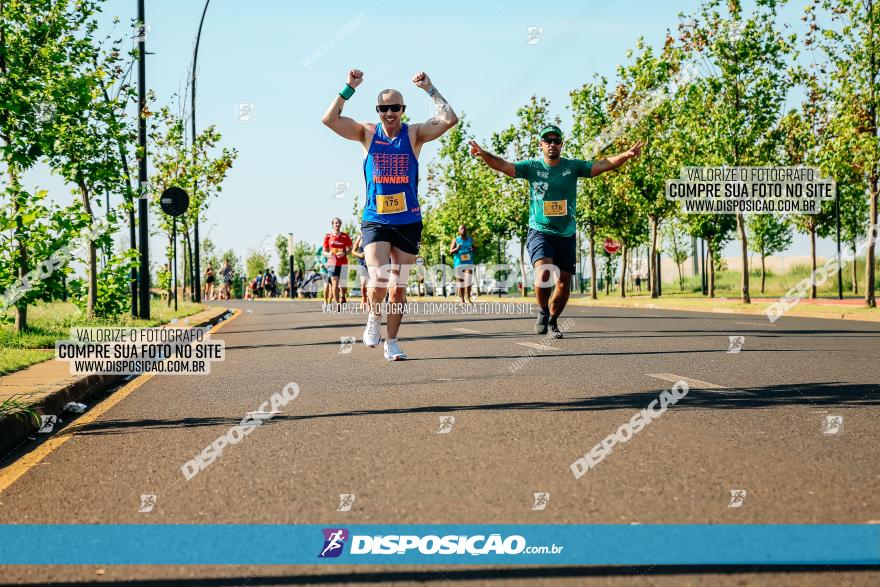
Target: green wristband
(347,92)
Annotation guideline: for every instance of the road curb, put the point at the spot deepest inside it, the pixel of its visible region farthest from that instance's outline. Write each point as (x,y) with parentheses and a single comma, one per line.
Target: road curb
(742,311)
(16,428)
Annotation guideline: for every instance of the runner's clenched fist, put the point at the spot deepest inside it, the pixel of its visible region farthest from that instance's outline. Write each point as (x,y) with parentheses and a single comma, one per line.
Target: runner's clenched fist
(355,77)
(422,80)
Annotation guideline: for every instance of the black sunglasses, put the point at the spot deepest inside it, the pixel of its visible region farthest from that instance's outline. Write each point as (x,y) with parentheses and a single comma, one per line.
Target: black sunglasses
(552,141)
(392,107)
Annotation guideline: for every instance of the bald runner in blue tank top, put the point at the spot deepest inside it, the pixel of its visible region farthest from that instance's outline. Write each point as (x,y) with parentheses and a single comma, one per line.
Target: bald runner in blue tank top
(391,227)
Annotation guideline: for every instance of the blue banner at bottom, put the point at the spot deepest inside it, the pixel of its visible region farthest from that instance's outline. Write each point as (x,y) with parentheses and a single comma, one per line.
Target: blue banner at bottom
(478,544)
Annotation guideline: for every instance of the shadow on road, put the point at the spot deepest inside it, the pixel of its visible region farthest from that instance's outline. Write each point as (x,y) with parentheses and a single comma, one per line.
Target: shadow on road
(829,394)
(502,574)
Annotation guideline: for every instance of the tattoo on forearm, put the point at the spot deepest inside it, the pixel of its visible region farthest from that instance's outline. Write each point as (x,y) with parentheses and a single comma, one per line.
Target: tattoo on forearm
(441,108)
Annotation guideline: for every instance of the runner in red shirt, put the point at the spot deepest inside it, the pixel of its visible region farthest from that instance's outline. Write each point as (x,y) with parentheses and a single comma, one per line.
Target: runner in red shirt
(337,246)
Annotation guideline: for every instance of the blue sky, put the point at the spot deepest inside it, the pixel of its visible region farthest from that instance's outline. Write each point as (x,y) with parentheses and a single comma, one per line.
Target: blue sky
(475,53)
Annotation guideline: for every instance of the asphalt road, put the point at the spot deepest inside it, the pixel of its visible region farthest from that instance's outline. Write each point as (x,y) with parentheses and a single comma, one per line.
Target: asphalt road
(753,420)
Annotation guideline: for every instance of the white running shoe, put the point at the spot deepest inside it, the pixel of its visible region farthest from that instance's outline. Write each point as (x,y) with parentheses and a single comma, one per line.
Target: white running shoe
(392,351)
(372,336)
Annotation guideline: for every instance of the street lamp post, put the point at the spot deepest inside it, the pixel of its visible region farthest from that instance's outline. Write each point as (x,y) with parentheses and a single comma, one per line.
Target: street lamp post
(290,283)
(442,268)
(143,227)
(840,270)
(196,261)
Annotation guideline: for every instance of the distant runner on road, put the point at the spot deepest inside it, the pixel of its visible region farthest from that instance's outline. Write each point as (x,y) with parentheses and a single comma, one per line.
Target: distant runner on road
(358,252)
(551,238)
(462,249)
(337,246)
(392,220)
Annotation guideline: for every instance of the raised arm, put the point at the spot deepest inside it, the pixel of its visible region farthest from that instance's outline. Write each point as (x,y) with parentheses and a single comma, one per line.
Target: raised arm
(614,161)
(342,125)
(454,246)
(493,161)
(444,118)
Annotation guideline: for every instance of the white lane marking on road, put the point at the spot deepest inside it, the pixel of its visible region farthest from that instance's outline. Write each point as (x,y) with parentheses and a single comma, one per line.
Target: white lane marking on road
(540,347)
(466,330)
(697,384)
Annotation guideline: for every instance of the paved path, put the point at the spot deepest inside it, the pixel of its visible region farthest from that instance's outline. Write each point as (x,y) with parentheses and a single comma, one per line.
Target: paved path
(752,420)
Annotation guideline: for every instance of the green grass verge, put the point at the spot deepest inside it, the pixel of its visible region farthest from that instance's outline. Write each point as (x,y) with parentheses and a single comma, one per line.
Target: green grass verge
(15,359)
(48,322)
(18,406)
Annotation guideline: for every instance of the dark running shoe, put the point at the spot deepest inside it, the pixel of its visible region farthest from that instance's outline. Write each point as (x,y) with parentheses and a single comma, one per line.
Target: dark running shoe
(541,323)
(554,329)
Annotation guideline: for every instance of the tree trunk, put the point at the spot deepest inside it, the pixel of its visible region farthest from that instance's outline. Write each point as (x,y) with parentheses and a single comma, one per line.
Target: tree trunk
(185,269)
(93,255)
(192,275)
(171,260)
(813,261)
(710,257)
(741,227)
(593,292)
(680,278)
(21,246)
(623,270)
(763,273)
(20,257)
(649,278)
(870,300)
(855,271)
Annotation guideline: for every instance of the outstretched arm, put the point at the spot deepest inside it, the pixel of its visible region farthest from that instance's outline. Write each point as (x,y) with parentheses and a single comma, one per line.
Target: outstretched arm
(342,125)
(444,118)
(615,161)
(493,161)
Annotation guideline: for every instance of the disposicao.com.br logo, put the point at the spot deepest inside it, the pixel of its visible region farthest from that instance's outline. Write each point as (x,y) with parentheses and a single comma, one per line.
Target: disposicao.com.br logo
(451,544)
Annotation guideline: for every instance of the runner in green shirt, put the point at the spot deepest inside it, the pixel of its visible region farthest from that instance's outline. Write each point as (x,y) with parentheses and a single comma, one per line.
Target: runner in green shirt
(551,238)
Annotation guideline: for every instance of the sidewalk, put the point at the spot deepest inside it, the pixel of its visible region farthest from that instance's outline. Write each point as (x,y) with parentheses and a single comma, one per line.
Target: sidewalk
(48,386)
(846,309)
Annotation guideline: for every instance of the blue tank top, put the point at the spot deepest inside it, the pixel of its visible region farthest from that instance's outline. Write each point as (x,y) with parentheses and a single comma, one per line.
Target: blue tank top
(391,171)
(465,253)
(361,261)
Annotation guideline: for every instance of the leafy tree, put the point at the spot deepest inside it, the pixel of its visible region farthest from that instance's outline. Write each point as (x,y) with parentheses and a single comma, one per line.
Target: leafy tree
(640,103)
(588,107)
(255,263)
(768,234)
(677,245)
(850,44)
(747,77)
(89,128)
(176,164)
(38,39)
(801,143)
(281,251)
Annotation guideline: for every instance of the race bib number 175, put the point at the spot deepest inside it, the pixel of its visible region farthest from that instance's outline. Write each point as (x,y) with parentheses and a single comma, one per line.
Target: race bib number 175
(555,207)
(391,203)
